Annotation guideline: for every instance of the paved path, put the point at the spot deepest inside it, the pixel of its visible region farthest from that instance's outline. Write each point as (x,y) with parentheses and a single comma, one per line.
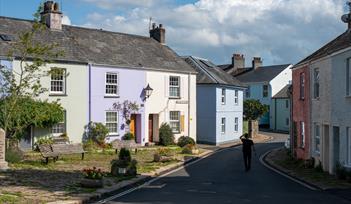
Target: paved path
(220,178)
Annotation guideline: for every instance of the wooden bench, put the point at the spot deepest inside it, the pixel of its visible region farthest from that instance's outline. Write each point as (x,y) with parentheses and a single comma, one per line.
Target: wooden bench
(62,149)
(128,144)
(46,152)
(56,150)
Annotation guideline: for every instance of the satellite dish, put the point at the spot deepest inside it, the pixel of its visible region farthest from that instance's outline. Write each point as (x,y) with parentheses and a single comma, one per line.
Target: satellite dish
(345,18)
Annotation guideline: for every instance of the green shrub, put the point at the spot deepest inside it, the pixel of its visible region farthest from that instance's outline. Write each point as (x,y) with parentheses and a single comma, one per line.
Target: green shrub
(13,155)
(164,152)
(166,135)
(124,155)
(90,145)
(184,140)
(340,171)
(128,136)
(97,132)
(319,167)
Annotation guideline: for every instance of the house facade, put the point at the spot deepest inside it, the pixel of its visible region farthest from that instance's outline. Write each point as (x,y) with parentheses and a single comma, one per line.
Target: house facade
(263,82)
(280,120)
(220,103)
(330,102)
(300,138)
(101,68)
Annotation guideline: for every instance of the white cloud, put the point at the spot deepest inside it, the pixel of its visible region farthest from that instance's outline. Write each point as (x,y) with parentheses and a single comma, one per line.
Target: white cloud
(66,20)
(281,31)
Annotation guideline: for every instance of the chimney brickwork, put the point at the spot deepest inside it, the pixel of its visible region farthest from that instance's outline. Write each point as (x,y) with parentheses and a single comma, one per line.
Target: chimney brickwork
(256,62)
(51,15)
(238,61)
(158,33)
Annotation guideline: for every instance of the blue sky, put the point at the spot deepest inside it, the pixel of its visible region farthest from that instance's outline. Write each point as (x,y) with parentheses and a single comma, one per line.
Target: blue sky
(280,31)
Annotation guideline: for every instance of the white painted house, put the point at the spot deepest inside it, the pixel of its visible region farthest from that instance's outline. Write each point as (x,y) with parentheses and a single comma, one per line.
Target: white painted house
(219,103)
(263,82)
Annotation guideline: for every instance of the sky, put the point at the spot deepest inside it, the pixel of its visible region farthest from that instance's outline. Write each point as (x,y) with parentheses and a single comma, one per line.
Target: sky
(279,31)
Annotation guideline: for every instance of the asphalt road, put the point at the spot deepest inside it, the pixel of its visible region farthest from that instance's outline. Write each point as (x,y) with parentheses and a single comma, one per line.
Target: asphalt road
(221,178)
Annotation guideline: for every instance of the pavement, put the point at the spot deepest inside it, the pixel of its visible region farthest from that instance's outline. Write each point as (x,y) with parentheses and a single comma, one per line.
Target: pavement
(220,178)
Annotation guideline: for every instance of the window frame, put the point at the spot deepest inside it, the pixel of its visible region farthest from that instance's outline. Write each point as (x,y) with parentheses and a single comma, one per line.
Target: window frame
(171,120)
(63,80)
(302,86)
(236,124)
(302,134)
(265,90)
(236,97)
(348,144)
(174,86)
(316,83)
(56,126)
(286,103)
(348,77)
(112,122)
(223,125)
(317,137)
(112,84)
(223,96)
(287,121)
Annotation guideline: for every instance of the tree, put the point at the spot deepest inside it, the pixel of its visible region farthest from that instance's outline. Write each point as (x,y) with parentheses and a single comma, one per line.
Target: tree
(23,84)
(253,109)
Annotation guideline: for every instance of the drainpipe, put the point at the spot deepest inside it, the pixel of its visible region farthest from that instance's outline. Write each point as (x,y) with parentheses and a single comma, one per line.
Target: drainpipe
(89,111)
(189,89)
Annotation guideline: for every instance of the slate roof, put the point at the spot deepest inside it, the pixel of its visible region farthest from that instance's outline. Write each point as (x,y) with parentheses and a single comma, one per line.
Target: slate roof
(341,42)
(283,93)
(262,74)
(234,72)
(209,73)
(85,45)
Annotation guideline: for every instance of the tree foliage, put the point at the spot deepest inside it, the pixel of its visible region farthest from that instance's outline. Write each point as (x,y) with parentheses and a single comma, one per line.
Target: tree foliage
(28,113)
(253,109)
(29,54)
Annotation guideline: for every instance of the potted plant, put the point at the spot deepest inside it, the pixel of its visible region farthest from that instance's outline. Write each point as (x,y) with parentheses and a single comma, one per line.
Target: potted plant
(93,178)
(124,165)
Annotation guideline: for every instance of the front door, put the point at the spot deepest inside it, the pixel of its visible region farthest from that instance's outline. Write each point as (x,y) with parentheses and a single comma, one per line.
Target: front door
(151,127)
(132,125)
(326,148)
(336,145)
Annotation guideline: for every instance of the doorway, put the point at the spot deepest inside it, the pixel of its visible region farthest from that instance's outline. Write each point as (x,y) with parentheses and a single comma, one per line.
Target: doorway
(151,128)
(336,145)
(326,147)
(135,127)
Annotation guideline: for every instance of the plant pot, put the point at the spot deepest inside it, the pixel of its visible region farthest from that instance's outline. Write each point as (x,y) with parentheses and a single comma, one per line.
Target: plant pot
(122,171)
(92,183)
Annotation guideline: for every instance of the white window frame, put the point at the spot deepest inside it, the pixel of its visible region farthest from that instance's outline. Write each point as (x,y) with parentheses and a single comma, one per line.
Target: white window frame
(53,80)
(112,122)
(317,137)
(348,78)
(316,85)
(175,121)
(236,97)
(303,134)
(265,90)
(171,86)
(223,123)
(61,125)
(348,148)
(236,124)
(223,96)
(116,85)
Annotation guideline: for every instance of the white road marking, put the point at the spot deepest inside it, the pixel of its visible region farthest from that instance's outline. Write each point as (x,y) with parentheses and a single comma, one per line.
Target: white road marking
(283,174)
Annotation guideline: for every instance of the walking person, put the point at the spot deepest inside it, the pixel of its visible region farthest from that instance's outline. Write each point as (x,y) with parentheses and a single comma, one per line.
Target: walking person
(247,145)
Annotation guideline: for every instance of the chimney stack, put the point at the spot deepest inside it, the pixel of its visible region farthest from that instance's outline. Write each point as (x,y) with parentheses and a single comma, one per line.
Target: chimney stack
(238,61)
(256,62)
(51,15)
(158,33)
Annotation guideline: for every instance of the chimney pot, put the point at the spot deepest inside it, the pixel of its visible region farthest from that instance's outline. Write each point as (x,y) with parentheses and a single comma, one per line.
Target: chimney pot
(256,62)
(238,61)
(158,33)
(52,16)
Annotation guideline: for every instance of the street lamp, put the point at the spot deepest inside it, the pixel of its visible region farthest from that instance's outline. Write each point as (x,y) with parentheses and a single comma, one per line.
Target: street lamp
(148,91)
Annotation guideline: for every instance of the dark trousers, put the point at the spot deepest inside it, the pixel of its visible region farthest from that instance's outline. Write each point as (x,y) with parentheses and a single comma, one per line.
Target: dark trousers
(247,160)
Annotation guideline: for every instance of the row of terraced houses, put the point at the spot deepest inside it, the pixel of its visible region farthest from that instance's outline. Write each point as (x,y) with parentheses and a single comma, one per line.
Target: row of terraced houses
(321,110)
(100,68)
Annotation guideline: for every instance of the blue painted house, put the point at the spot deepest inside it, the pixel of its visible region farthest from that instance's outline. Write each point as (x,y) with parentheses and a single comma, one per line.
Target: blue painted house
(219,103)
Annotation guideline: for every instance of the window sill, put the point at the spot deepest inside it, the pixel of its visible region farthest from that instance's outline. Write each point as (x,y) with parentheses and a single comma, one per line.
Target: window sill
(348,96)
(57,94)
(107,96)
(174,98)
(315,99)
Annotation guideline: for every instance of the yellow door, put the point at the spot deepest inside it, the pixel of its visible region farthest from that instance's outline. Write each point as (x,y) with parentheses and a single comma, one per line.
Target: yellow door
(132,124)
